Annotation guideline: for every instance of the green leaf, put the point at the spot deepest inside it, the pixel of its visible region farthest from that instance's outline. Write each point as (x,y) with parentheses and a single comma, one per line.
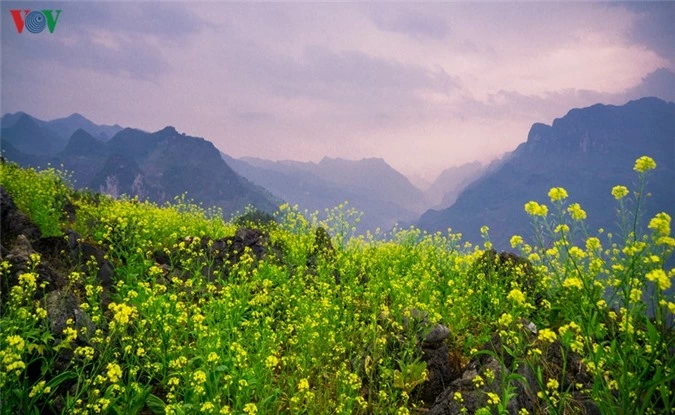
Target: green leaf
(155,404)
(59,379)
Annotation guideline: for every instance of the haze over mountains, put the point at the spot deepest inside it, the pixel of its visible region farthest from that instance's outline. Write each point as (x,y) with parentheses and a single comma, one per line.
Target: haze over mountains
(587,151)
(369,185)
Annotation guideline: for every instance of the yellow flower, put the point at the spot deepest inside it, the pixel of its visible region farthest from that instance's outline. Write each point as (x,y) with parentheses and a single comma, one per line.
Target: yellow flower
(516,240)
(478,381)
(122,313)
(85,352)
(577,252)
(619,192)
(37,389)
(660,278)
(562,228)
(271,361)
(573,282)
(517,296)
(576,211)
(557,193)
(70,333)
(250,409)
(27,279)
(505,319)
(547,335)
(114,372)
(644,164)
(671,307)
(666,240)
(207,407)
(199,377)
(16,342)
(535,209)
(303,385)
(552,384)
(593,244)
(493,398)
(660,224)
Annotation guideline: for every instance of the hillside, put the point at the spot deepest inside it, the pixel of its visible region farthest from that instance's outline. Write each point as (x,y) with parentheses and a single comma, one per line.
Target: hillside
(120,306)
(585,152)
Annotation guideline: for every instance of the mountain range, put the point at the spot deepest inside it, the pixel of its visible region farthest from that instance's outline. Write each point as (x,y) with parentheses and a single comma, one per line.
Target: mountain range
(587,152)
(154,166)
(369,185)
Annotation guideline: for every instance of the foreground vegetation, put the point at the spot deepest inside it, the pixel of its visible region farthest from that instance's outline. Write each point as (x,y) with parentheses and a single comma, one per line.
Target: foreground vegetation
(319,326)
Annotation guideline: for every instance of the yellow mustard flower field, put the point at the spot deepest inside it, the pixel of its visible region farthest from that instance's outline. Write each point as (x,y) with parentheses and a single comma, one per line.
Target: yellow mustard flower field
(124,307)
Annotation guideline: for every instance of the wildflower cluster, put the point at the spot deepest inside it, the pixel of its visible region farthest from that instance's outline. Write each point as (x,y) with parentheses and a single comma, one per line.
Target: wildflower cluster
(183,328)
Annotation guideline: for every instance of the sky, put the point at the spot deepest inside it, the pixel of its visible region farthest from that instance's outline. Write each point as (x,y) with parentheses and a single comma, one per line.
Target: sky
(424,86)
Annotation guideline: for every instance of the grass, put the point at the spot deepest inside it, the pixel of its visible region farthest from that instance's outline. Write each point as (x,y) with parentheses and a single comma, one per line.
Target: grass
(279,335)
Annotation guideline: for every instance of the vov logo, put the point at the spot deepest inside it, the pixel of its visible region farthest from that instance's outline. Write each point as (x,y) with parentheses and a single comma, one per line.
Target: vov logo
(35,21)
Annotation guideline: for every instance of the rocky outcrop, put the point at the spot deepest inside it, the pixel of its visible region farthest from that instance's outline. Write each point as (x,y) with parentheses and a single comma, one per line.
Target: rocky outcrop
(51,259)
(13,222)
(223,253)
(323,252)
(436,354)
(467,394)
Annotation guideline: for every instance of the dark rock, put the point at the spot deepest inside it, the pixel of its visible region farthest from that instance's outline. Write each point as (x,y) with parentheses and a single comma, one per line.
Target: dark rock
(69,211)
(436,335)
(254,239)
(509,266)
(472,398)
(105,275)
(435,354)
(62,306)
(72,251)
(439,370)
(20,262)
(256,218)
(13,222)
(324,252)
(525,388)
(227,251)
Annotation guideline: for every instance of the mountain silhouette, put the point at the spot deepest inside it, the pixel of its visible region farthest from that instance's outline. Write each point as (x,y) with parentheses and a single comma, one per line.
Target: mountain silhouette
(588,151)
(153,166)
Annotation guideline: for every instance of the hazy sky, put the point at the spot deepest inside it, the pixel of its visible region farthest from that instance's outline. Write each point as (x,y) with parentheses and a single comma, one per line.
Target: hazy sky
(424,86)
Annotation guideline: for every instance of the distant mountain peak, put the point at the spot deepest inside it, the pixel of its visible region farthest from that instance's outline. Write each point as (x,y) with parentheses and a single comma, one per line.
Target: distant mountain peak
(80,133)
(77,117)
(27,121)
(169,129)
(82,143)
